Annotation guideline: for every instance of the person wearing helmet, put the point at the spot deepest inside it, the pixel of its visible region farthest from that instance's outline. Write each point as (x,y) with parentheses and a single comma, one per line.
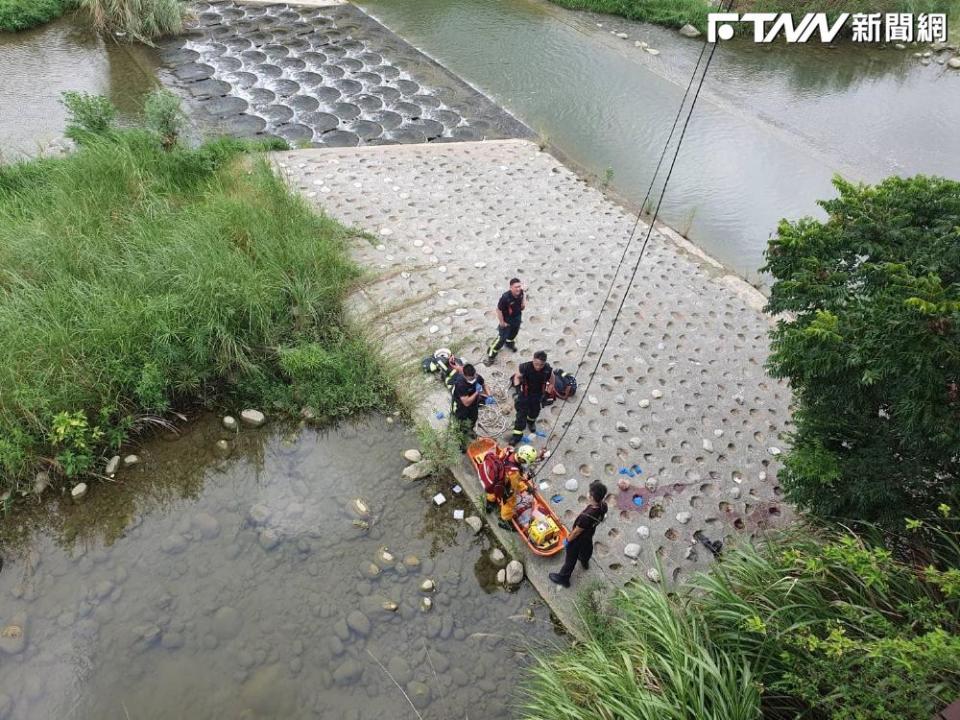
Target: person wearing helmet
(516,473)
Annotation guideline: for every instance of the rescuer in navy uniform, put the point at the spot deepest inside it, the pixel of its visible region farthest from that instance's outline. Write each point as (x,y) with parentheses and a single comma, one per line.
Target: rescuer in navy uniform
(469,392)
(531,382)
(509,314)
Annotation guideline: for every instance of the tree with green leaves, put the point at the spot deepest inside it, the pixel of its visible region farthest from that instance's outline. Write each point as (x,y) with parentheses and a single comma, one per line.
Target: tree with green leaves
(869,338)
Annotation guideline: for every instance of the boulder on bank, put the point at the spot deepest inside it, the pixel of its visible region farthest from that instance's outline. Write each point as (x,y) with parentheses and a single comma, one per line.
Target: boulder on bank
(689,31)
(417,471)
(514,574)
(252,418)
(413,455)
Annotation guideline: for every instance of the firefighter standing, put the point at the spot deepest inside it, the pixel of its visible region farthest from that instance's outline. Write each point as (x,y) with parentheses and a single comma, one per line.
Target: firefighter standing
(469,392)
(509,314)
(532,381)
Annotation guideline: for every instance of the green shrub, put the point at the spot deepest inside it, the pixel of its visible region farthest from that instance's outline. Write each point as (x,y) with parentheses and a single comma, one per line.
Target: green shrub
(826,628)
(88,115)
(871,349)
(134,280)
(18,15)
(164,116)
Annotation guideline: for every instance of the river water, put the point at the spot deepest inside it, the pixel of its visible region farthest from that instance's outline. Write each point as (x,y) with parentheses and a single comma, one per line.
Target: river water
(771,127)
(202,586)
(40,64)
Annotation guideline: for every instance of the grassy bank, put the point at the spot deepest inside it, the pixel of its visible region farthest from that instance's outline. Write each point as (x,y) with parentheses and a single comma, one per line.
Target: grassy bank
(677,13)
(16,15)
(136,280)
(826,629)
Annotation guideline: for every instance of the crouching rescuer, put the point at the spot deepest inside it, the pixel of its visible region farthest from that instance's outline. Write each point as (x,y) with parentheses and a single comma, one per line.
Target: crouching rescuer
(469,390)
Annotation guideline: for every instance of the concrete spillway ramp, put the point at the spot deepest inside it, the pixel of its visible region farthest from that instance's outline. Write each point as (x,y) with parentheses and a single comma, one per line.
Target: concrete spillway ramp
(681,390)
(320,76)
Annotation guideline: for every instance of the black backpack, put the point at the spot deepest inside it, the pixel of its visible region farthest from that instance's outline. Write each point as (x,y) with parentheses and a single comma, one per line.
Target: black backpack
(564,386)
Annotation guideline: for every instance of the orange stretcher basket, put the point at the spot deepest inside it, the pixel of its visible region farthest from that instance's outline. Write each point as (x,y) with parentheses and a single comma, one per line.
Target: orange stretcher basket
(545,533)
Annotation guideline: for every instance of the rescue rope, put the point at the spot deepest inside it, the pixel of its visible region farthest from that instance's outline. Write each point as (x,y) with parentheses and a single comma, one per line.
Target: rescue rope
(630,239)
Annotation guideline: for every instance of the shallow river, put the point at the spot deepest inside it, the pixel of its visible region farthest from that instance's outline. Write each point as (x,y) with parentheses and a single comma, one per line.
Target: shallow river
(241,587)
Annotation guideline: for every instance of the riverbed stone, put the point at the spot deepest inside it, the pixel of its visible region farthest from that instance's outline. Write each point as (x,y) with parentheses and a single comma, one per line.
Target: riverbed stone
(475,523)
(418,470)
(252,418)
(258,514)
(229,423)
(400,669)
(78,492)
(13,636)
(359,623)
(113,464)
(227,622)
(413,455)
(205,524)
(268,539)
(174,544)
(954,62)
(689,31)
(347,672)
(514,575)
(419,693)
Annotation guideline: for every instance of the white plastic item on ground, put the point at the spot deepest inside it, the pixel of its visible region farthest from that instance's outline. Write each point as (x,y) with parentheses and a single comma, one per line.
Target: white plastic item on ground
(439,499)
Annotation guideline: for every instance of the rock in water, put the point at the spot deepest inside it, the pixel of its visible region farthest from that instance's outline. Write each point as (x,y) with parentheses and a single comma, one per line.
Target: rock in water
(206,525)
(359,623)
(400,669)
(497,557)
(428,586)
(258,514)
(514,572)
(253,418)
(954,62)
(689,31)
(268,539)
(131,460)
(417,471)
(501,576)
(632,551)
(475,523)
(413,455)
(13,637)
(419,693)
(79,492)
(229,423)
(226,623)
(112,465)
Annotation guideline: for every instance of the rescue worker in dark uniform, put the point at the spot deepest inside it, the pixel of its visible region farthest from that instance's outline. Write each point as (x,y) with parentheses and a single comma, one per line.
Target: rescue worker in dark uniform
(580,541)
(509,314)
(469,392)
(531,382)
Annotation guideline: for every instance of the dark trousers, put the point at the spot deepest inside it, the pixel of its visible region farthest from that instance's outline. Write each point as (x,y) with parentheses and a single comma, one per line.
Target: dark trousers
(580,549)
(465,428)
(505,336)
(528,410)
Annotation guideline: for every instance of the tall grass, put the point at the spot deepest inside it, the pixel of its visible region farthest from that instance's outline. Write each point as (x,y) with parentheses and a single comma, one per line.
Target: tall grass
(829,627)
(16,15)
(143,20)
(134,280)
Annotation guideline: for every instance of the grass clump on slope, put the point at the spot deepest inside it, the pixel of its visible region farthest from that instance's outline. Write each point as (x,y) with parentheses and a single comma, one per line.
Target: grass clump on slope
(135,280)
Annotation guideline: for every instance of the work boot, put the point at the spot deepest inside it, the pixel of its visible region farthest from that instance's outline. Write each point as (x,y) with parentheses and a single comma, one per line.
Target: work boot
(510,345)
(489,359)
(559,580)
(490,507)
(585,564)
(532,427)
